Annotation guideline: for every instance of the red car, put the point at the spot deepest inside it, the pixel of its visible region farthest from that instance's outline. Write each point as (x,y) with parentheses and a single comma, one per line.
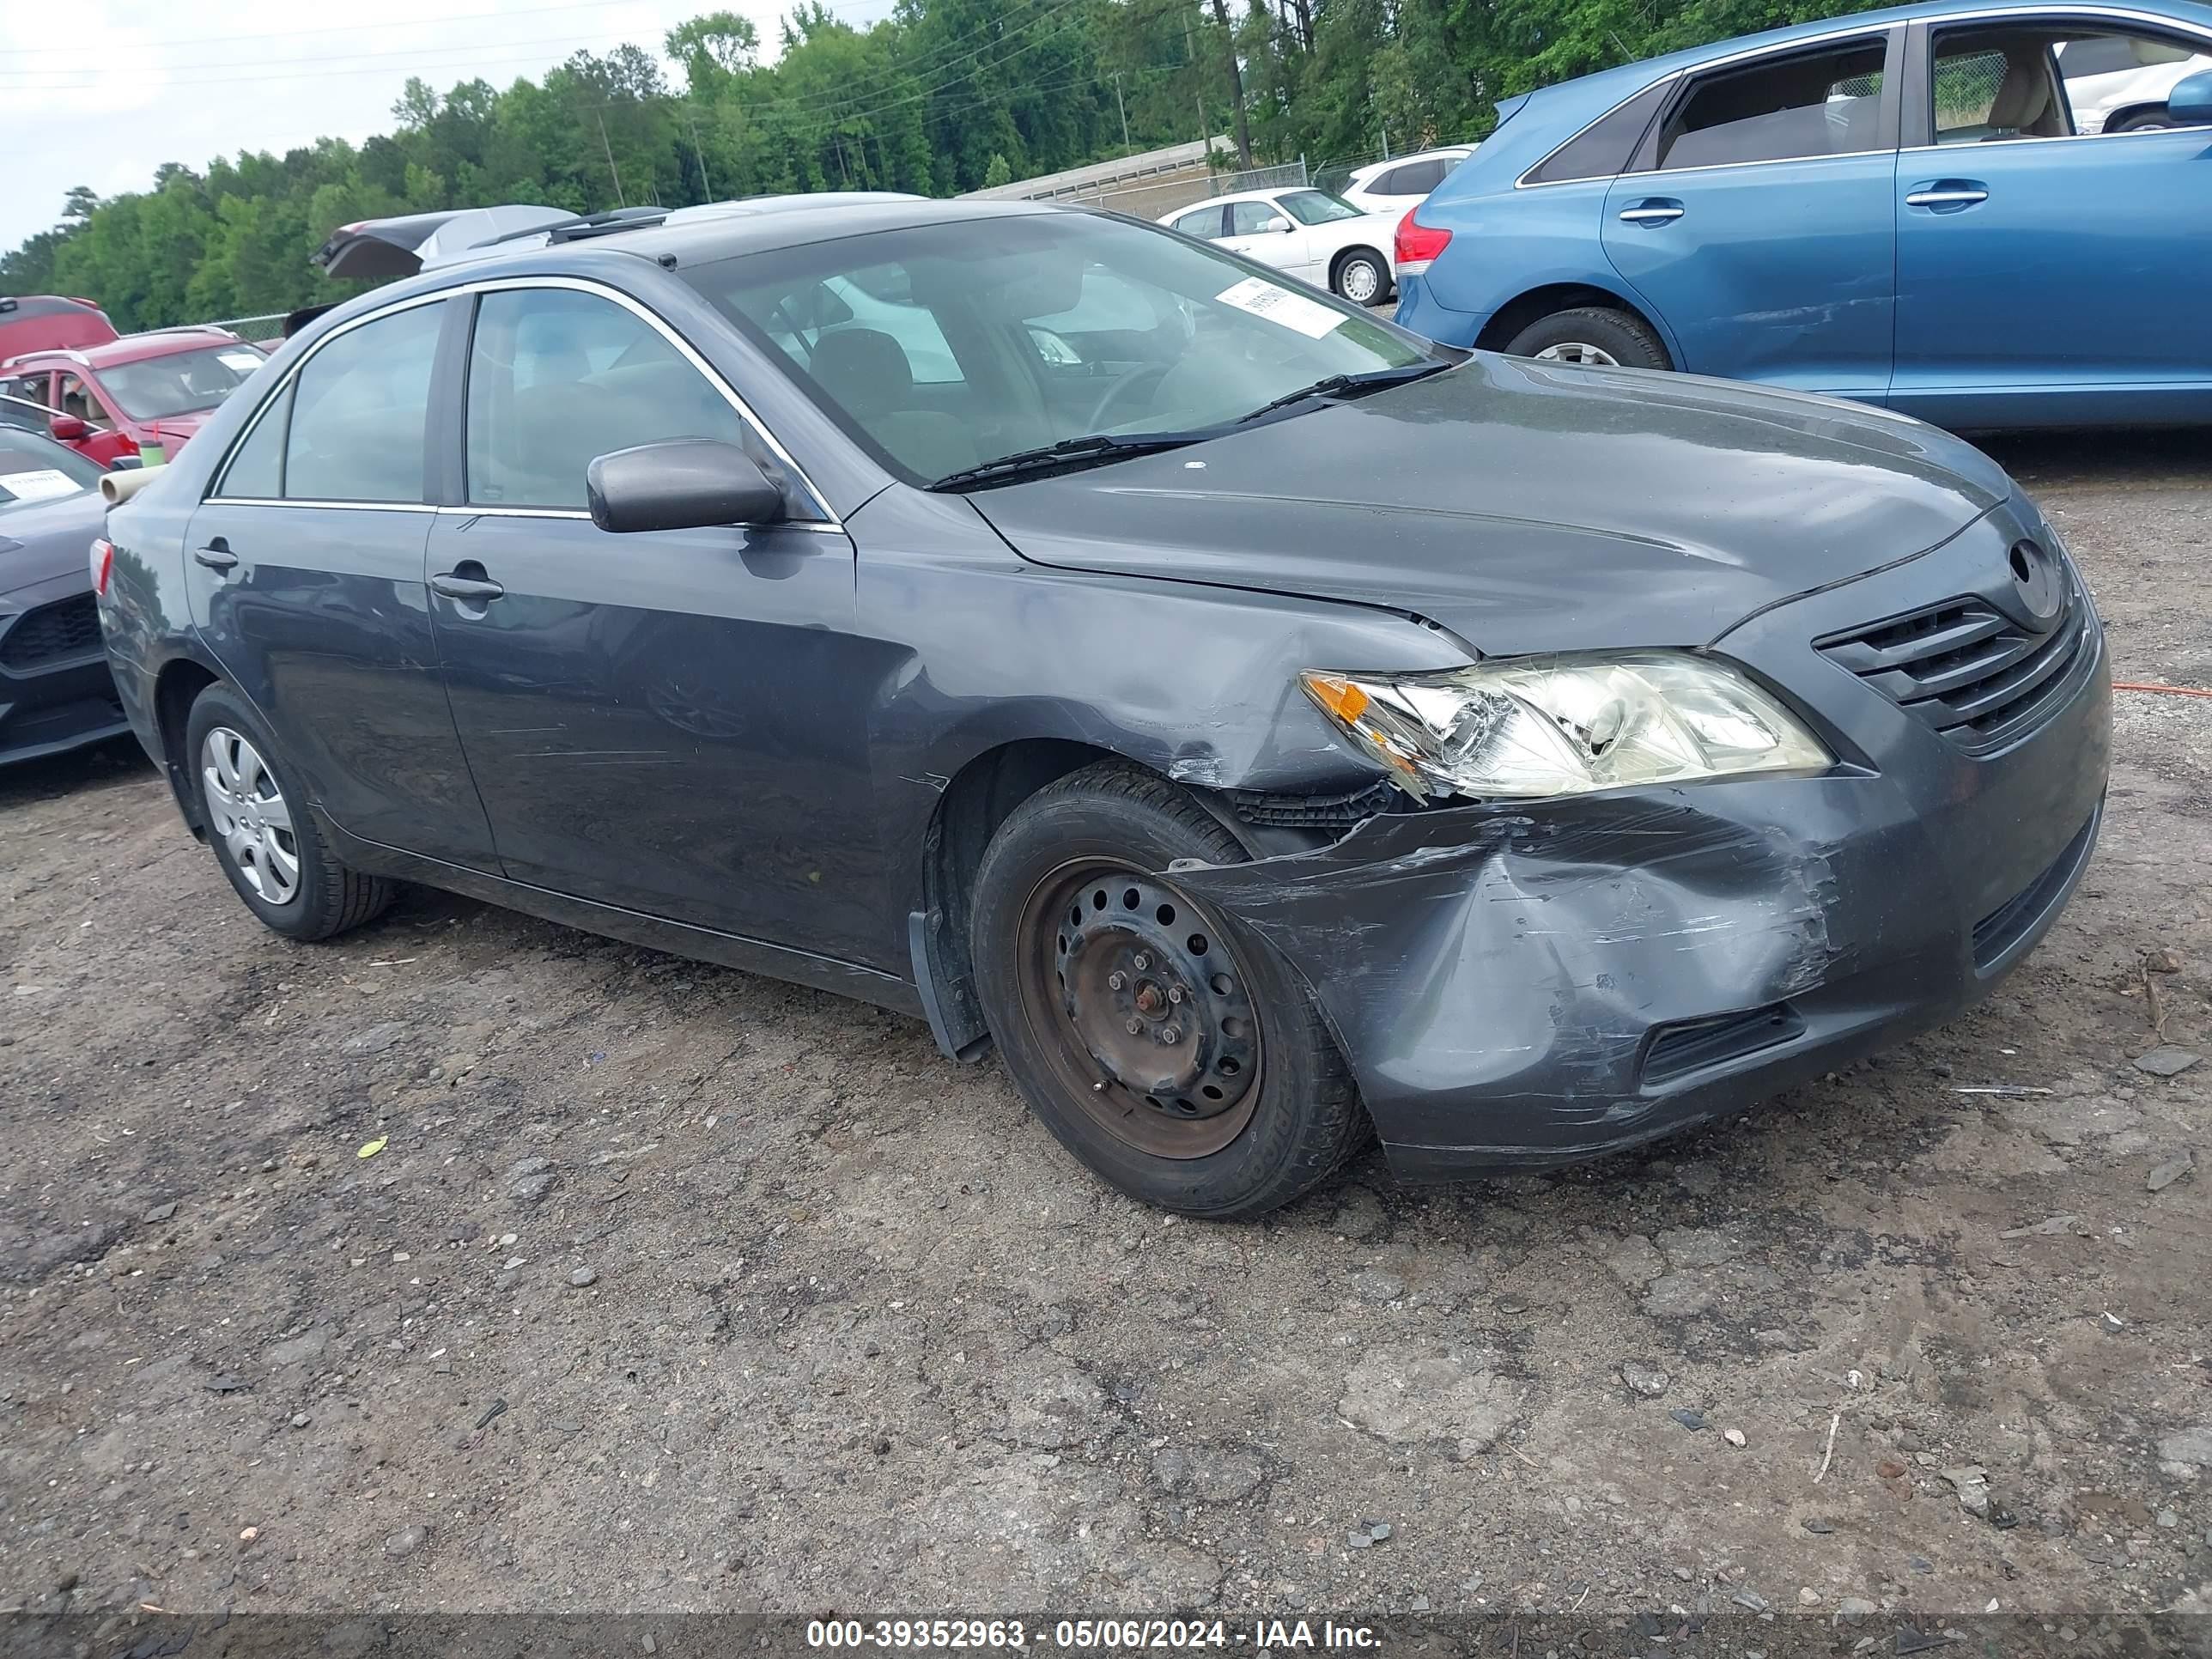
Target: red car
(49,322)
(131,394)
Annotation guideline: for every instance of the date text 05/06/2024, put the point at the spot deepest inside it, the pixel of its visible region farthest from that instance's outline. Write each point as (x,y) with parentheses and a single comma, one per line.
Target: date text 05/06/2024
(1090,1635)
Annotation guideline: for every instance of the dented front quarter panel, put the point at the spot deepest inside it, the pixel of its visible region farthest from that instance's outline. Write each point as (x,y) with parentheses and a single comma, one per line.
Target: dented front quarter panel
(1494,973)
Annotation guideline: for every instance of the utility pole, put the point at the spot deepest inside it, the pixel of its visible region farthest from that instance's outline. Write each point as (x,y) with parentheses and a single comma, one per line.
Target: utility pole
(691,118)
(1236,84)
(1124,108)
(600,117)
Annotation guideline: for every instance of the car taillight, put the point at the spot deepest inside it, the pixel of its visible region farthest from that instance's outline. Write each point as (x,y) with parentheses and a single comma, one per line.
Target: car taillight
(1418,244)
(103,564)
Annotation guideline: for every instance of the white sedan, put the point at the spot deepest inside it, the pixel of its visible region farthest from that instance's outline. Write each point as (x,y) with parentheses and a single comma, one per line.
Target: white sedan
(2119,82)
(1397,186)
(1308,234)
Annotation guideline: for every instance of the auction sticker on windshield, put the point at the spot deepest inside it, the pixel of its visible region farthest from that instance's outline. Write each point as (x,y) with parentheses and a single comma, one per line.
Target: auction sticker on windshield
(38,484)
(1278,305)
(244,362)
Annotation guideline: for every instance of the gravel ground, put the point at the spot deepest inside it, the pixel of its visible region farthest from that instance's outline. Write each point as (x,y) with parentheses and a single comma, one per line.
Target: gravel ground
(678,1289)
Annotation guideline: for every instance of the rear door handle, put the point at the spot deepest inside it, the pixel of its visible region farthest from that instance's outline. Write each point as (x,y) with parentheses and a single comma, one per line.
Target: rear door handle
(1947,193)
(1655,211)
(476,590)
(216,556)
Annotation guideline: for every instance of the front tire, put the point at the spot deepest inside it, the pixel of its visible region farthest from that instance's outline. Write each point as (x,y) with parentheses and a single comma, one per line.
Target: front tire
(1598,336)
(1362,275)
(263,836)
(1228,1098)
(2149,120)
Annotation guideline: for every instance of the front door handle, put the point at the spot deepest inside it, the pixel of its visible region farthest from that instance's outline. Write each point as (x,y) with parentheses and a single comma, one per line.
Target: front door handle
(216,556)
(1953,193)
(1655,210)
(477,589)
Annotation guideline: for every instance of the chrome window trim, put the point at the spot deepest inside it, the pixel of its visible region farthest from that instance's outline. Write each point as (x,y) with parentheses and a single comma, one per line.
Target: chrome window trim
(356,506)
(815,526)
(829,520)
(1994,14)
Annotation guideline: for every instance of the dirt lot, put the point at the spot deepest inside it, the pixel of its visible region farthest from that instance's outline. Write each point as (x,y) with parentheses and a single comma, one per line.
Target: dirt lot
(786,1312)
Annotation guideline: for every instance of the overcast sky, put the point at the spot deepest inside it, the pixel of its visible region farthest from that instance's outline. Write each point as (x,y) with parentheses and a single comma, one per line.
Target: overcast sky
(101,92)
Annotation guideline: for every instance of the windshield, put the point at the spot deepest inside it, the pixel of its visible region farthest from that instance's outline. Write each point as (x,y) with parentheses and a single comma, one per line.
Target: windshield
(181,383)
(943,346)
(1316,207)
(36,469)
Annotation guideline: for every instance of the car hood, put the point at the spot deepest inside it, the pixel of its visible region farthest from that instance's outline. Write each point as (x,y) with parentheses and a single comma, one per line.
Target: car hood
(1527,505)
(40,540)
(178,427)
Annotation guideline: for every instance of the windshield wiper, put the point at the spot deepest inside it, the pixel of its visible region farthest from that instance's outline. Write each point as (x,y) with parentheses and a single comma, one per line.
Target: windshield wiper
(1337,388)
(1097,449)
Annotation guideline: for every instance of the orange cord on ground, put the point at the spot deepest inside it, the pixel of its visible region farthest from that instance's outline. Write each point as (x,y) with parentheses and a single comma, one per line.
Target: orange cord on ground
(2177,690)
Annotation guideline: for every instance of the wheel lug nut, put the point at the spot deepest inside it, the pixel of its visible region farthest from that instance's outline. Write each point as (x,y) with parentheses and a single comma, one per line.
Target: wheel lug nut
(1174,993)
(1135,1026)
(1140,962)
(1116,981)
(1170,1035)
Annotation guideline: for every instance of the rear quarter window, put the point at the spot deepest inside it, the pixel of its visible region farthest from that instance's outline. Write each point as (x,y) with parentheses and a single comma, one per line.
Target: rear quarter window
(1608,145)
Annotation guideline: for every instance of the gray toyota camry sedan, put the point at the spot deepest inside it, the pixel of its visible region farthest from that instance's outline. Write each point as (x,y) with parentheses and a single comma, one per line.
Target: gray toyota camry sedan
(1262,727)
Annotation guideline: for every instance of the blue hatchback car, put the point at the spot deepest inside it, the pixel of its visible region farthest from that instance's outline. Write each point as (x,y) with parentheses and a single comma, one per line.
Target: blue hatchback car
(1982,216)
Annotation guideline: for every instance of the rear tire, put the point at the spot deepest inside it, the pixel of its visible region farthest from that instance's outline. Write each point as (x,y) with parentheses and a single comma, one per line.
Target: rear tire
(1596,335)
(1362,275)
(2146,120)
(1231,1099)
(260,828)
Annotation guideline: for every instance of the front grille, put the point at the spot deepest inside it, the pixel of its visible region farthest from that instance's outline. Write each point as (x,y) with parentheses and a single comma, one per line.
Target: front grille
(1693,1044)
(1998,932)
(1967,669)
(67,628)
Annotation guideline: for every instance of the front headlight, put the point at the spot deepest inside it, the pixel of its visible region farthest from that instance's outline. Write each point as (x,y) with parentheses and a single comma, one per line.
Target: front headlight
(1532,726)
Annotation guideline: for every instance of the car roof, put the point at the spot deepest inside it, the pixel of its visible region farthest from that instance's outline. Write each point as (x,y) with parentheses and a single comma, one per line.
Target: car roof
(1627,78)
(688,237)
(1374,167)
(131,348)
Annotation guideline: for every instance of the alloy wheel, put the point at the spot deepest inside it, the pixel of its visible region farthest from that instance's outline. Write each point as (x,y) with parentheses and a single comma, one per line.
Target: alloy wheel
(1578,351)
(251,814)
(1144,1009)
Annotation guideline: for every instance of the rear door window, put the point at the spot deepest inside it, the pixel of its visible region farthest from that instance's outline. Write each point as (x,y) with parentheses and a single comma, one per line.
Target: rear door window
(359,409)
(1250,218)
(558,377)
(1205,223)
(1798,108)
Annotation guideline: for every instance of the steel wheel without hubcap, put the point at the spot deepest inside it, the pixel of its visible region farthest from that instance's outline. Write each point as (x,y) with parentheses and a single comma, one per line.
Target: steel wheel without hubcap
(1362,282)
(1142,1008)
(1578,351)
(249,811)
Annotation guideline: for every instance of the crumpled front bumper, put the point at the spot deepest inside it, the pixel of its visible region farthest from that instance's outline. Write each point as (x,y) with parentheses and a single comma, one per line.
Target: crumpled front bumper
(1519,985)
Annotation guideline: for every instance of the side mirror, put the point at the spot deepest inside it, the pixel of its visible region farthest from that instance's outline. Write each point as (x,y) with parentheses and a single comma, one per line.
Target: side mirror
(68,429)
(685,484)
(1276,222)
(2190,103)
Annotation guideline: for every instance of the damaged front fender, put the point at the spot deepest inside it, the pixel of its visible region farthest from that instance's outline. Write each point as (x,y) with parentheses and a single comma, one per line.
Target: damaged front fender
(1516,985)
